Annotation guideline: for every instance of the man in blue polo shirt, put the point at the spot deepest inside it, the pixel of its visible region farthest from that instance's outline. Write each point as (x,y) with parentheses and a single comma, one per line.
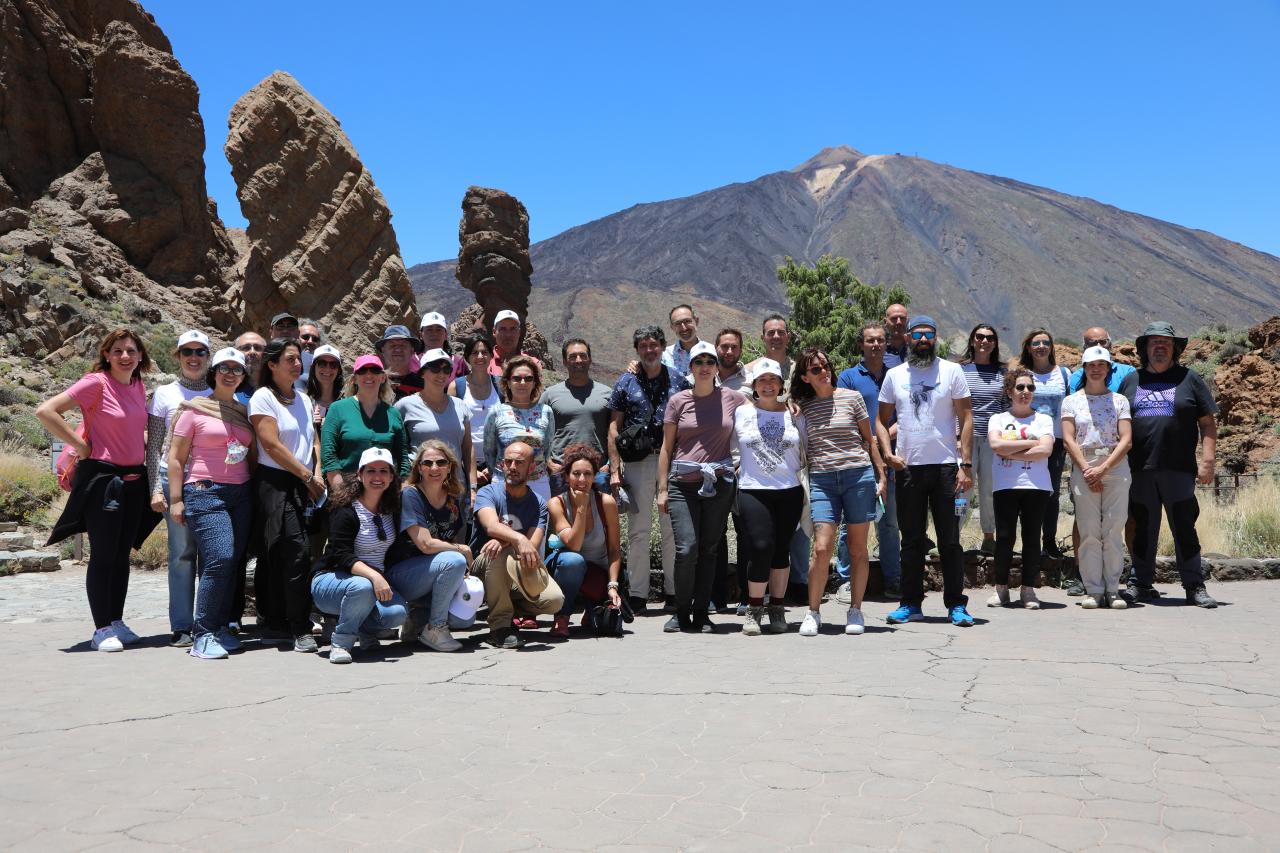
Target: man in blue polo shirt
(866,377)
(1096,336)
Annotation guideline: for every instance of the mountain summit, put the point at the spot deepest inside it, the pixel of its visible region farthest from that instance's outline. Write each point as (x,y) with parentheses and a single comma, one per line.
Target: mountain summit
(967,246)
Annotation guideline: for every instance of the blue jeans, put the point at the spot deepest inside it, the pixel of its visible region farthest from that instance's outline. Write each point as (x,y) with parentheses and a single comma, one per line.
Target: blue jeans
(182,566)
(889,541)
(218,516)
(568,568)
(351,599)
(429,576)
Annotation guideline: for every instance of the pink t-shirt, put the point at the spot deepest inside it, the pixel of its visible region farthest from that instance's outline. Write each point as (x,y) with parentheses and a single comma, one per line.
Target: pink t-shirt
(209,437)
(704,425)
(117,417)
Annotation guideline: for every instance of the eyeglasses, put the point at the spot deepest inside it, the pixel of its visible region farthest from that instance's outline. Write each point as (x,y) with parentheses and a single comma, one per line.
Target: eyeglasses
(311,338)
(233,369)
(252,348)
(521,378)
(703,362)
(1041,344)
(979,337)
(928,336)
(434,463)
(438,367)
(1021,387)
(1100,342)
(187,352)
(376,371)
(377,526)
(683,323)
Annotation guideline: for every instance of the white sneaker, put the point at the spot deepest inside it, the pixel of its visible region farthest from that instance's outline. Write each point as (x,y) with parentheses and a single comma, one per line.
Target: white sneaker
(853,622)
(844,594)
(105,640)
(1091,602)
(1000,597)
(124,633)
(812,622)
(1117,603)
(437,637)
(337,654)
(1029,600)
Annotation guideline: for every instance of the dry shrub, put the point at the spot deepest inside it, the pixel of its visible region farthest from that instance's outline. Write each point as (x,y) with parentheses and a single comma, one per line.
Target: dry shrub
(154,553)
(1246,527)
(27,488)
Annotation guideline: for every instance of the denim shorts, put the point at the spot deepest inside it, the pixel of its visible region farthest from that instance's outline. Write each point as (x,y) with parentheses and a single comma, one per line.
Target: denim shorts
(848,494)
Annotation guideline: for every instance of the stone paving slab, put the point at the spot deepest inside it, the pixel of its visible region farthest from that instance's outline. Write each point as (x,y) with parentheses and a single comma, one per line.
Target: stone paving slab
(1156,728)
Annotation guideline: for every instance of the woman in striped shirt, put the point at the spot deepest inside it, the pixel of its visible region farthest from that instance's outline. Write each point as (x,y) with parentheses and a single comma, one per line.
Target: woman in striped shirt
(984,373)
(846,480)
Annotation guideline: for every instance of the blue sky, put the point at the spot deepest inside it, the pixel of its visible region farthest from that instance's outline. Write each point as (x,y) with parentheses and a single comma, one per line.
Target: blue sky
(1168,109)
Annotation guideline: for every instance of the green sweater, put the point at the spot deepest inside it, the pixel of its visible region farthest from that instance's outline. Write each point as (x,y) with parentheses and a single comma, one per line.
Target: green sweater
(348,433)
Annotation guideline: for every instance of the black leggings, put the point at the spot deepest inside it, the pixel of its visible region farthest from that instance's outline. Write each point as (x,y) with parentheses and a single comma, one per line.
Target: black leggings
(1028,507)
(111,535)
(766,521)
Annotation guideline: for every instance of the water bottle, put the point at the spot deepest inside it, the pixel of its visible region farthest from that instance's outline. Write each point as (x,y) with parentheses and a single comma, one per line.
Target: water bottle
(962,504)
(554,543)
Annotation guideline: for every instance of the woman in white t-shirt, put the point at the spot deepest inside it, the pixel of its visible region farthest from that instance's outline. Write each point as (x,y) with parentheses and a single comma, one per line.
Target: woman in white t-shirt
(1052,385)
(1097,430)
(1022,441)
(770,442)
(285,480)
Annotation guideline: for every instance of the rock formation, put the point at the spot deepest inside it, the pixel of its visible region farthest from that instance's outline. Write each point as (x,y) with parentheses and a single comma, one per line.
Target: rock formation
(493,252)
(321,242)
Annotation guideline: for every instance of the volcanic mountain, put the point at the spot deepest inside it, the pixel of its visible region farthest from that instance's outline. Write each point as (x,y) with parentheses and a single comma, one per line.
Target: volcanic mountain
(967,247)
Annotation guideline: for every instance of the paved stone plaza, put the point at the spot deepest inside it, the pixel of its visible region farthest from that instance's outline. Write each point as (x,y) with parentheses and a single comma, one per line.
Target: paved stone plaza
(1156,728)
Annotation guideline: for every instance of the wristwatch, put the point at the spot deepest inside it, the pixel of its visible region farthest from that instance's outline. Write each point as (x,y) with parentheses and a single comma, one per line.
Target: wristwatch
(966,464)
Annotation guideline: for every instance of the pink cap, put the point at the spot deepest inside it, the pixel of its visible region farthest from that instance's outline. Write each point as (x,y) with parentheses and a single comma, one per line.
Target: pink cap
(367,361)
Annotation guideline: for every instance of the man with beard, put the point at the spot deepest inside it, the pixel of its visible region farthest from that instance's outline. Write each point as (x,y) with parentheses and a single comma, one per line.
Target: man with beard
(1173,410)
(928,396)
(731,374)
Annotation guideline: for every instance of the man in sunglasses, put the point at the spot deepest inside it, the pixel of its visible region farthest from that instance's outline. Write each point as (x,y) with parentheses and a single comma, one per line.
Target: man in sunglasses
(930,399)
(1096,336)
(284,325)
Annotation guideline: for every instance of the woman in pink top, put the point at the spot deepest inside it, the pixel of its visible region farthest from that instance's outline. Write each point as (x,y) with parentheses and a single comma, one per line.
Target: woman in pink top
(213,445)
(109,498)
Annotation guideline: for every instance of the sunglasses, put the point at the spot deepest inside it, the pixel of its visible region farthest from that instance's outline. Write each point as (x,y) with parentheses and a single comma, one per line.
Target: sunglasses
(327,363)
(310,338)
(1021,387)
(438,367)
(234,369)
(1041,344)
(927,336)
(187,352)
(703,362)
(815,369)
(1100,342)
(434,463)
(522,378)
(978,336)
(376,371)
(377,526)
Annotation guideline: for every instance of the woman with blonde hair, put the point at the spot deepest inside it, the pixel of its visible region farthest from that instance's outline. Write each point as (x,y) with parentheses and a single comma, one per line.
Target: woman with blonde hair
(365,417)
(522,418)
(428,560)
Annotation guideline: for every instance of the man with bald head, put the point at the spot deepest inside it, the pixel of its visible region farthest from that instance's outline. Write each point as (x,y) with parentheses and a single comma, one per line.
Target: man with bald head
(1096,336)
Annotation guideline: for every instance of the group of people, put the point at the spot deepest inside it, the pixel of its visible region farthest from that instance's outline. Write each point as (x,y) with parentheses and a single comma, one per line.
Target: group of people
(395,497)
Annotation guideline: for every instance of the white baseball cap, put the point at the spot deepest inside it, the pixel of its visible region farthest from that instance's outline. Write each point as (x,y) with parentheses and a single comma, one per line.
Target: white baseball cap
(326,350)
(1095,354)
(505,314)
(703,348)
(228,354)
(766,367)
(193,336)
(436,354)
(376,454)
(434,318)
(468,598)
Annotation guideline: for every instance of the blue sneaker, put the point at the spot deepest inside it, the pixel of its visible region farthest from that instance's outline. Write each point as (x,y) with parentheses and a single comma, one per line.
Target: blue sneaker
(207,647)
(228,641)
(905,613)
(960,617)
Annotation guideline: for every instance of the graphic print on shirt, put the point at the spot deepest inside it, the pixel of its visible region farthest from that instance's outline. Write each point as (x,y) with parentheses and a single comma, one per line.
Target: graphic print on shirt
(921,397)
(1015,432)
(770,444)
(1154,400)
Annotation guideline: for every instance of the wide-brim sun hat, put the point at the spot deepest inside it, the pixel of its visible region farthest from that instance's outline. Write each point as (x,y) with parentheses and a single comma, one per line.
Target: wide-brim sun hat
(531,583)
(399,333)
(1159,329)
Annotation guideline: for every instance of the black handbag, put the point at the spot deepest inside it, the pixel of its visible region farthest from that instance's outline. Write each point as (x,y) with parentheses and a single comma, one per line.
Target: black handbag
(638,442)
(609,620)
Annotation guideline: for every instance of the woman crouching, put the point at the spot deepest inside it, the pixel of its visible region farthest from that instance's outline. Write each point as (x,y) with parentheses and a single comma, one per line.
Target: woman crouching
(348,582)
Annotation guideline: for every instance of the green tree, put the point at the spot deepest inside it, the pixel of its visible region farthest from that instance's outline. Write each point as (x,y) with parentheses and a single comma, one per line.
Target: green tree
(829,304)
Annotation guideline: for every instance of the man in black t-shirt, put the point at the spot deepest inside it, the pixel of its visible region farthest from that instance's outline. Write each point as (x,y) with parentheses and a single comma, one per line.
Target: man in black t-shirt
(1173,410)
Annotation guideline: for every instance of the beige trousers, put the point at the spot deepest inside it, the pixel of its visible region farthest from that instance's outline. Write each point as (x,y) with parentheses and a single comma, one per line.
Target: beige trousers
(504,598)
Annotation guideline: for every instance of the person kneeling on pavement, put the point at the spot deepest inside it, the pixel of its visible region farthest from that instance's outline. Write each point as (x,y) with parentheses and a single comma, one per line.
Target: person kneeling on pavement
(511,524)
(348,581)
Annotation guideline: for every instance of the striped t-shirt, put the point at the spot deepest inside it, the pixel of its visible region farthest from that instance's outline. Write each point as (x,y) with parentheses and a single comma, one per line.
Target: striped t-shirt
(832,439)
(986,387)
(369,548)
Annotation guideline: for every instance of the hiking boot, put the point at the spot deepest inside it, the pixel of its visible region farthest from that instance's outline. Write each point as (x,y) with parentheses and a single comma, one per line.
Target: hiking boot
(1029,600)
(751,622)
(777,619)
(988,547)
(1135,593)
(438,638)
(638,604)
(1200,597)
(305,643)
(999,598)
(811,625)
(1075,588)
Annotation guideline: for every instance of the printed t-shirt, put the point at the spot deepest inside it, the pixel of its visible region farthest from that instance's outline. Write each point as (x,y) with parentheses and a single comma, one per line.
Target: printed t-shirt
(1166,409)
(924,401)
(1019,473)
(1097,418)
(833,441)
(1051,390)
(523,515)
(769,445)
(209,439)
(293,421)
(117,417)
(444,523)
(704,425)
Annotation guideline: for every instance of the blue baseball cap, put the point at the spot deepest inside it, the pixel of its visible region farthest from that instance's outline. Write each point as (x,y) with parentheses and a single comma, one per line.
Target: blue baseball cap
(922,320)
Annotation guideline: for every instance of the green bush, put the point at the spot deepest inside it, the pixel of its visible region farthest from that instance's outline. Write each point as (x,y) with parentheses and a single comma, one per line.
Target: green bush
(27,488)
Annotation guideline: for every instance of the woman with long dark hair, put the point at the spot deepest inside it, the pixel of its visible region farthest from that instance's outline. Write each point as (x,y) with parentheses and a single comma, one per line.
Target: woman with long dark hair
(349,582)
(324,388)
(984,373)
(285,481)
(108,498)
(846,479)
(479,393)
(1053,383)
